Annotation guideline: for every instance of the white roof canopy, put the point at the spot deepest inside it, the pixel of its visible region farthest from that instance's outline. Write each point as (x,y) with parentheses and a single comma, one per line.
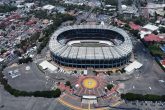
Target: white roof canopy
(85,72)
(132,66)
(89,97)
(46,65)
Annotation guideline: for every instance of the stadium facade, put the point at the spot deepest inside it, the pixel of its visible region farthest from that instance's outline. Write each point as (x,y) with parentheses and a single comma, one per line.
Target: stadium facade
(90,46)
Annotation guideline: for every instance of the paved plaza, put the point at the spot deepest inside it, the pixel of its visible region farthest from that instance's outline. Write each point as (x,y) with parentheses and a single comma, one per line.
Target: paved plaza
(90,83)
(91,86)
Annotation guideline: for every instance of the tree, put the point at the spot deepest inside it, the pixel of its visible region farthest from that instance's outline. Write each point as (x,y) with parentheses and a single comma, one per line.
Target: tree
(68,83)
(155,32)
(75,71)
(110,86)
(143,3)
(29,59)
(132,96)
(111,2)
(155,16)
(123,70)
(41,14)
(109,72)
(135,32)
(139,20)
(3,51)
(128,2)
(140,97)
(25,60)
(162,29)
(127,27)
(57,93)
(151,97)
(7,8)
(82,72)
(17,52)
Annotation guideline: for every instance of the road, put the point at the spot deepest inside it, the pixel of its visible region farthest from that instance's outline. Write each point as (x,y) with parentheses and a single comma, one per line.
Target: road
(79,20)
(148,75)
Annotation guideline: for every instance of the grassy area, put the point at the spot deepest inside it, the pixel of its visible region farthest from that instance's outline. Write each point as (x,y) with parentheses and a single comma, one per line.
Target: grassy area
(7,8)
(155,50)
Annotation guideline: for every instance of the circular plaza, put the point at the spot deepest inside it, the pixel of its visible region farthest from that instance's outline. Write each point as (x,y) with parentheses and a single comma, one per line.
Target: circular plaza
(90,92)
(90,83)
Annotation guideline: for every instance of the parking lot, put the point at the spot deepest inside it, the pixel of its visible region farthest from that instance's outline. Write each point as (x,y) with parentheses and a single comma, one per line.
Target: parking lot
(9,102)
(30,78)
(146,80)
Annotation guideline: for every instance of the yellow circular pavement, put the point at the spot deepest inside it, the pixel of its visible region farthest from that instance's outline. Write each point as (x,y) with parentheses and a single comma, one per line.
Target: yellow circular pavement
(89,83)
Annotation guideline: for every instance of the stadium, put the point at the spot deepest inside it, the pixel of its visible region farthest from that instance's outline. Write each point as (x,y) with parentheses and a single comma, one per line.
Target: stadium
(90,46)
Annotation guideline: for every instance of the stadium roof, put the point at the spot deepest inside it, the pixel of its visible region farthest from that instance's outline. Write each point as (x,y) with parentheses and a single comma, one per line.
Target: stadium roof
(72,52)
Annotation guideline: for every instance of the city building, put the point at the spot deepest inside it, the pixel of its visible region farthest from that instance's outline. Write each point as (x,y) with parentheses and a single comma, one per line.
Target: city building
(48,7)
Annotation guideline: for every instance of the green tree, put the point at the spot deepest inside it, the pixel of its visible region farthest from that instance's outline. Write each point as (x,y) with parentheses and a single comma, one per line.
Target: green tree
(140,20)
(68,83)
(128,2)
(135,33)
(7,8)
(110,86)
(111,2)
(25,60)
(2,51)
(41,14)
(155,32)
(127,27)
(162,29)
(75,71)
(155,16)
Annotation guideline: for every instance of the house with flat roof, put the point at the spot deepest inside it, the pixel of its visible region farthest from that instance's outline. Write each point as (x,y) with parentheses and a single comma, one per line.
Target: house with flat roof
(1,61)
(150,27)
